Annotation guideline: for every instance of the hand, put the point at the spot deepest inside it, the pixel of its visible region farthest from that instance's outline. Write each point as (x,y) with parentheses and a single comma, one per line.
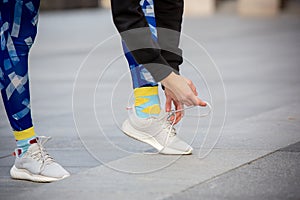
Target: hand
(182,90)
(170,98)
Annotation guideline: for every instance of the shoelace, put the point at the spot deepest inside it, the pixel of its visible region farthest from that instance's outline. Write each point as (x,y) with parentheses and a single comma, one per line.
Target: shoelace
(172,131)
(167,124)
(173,113)
(41,154)
(170,128)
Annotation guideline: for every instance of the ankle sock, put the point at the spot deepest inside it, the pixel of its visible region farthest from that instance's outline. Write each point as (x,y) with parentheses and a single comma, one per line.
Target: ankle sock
(147,102)
(24,139)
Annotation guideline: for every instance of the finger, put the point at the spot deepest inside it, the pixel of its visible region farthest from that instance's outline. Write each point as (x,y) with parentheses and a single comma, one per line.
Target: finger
(189,103)
(190,100)
(178,114)
(172,118)
(175,118)
(195,92)
(180,107)
(192,86)
(178,118)
(194,89)
(168,105)
(200,102)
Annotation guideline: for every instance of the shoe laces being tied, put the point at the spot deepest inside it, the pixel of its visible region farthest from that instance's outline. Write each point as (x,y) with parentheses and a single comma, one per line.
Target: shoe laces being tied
(169,124)
(40,154)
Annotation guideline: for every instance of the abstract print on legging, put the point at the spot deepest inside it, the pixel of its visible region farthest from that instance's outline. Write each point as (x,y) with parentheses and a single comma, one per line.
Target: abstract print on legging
(18,22)
(145,88)
(140,75)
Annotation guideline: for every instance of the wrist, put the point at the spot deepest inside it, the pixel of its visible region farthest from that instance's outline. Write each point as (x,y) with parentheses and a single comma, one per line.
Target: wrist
(166,81)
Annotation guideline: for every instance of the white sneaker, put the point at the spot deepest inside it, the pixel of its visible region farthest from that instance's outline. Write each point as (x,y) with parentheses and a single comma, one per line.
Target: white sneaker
(37,165)
(158,132)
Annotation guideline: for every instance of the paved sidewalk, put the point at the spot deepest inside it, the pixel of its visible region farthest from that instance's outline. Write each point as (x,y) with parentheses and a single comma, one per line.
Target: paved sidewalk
(257,155)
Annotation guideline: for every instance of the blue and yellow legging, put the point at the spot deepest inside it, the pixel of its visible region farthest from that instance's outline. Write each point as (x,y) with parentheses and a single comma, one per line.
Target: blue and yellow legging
(18,22)
(147,101)
(141,77)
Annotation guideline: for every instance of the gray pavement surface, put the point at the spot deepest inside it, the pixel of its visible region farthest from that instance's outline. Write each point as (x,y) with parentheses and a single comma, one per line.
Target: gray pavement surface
(275,176)
(254,157)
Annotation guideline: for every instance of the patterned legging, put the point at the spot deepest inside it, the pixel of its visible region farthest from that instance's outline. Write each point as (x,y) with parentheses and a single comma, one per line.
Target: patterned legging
(140,76)
(18,22)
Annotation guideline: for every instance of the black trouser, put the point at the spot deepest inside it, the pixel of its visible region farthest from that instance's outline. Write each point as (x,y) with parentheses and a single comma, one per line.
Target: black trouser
(128,15)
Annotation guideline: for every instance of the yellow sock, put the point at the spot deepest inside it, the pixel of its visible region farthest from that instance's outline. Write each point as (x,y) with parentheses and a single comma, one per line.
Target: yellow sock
(24,139)
(147,102)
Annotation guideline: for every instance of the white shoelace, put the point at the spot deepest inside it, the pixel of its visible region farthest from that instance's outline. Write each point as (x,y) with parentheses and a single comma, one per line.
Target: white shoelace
(172,131)
(41,154)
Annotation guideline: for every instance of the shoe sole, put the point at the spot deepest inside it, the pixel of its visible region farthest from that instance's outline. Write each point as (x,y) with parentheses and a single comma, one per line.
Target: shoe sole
(148,139)
(23,174)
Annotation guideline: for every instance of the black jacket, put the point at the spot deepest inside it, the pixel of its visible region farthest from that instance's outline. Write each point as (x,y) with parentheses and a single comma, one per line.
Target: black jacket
(159,58)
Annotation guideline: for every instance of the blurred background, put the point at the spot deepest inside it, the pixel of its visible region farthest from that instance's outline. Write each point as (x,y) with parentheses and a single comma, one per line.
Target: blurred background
(197,7)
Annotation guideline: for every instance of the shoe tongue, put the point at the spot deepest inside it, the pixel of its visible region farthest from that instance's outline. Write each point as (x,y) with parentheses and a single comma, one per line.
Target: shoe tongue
(33,147)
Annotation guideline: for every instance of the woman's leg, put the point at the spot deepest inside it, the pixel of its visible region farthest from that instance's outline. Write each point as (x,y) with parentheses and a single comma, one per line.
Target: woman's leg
(166,14)
(147,102)
(18,31)
(158,132)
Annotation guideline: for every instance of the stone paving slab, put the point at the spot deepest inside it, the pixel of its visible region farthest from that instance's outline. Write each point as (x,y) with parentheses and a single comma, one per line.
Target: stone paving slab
(157,176)
(276,176)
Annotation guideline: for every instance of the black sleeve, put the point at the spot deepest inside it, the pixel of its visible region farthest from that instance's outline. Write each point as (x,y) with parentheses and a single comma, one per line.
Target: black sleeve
(168,15)
(131,23)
